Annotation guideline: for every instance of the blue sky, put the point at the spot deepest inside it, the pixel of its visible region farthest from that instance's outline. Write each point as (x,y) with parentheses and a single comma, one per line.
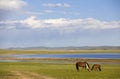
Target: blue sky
(58,23)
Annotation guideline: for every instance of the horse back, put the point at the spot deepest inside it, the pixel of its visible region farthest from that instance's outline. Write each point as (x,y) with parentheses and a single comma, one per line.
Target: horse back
(96,65)
(81,64)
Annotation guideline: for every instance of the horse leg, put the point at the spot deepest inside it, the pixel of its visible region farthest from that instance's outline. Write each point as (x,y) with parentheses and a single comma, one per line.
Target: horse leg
(77,67)
(92,68)
(99,68)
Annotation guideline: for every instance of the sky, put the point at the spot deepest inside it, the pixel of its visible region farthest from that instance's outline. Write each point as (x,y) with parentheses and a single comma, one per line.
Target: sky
(59,23)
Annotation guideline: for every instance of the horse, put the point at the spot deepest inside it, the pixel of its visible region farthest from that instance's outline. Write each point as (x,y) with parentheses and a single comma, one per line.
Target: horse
(84,65)
(96,67)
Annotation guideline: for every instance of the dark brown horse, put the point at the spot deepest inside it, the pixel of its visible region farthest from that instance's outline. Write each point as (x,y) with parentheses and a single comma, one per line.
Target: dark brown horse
(96,67)
(84,65)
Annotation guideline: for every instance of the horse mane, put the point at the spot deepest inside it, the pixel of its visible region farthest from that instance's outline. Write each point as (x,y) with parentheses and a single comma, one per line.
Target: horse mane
(88,64)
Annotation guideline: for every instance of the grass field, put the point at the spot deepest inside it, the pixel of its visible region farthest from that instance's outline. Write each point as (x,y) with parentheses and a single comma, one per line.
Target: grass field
(22,70)
(61,69)
(55,51)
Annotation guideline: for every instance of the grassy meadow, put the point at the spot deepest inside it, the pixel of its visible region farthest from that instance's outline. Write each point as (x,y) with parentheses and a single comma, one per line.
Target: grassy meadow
(60,70)
(22,70)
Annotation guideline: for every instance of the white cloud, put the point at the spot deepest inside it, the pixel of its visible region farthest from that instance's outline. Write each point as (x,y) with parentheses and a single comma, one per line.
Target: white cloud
(56,5)
(12,4)
(32,13)
(48,11)
(60,24)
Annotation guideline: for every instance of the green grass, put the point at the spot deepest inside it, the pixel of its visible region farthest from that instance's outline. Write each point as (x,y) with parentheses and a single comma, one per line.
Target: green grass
(55,51)
(58,71)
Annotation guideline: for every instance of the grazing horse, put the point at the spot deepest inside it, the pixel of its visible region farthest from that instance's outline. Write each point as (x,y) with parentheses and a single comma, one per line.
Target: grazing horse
(84,65)
(96,67)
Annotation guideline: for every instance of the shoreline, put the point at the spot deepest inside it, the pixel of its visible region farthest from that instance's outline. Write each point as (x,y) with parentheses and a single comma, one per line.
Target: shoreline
(5,52)
(63,59)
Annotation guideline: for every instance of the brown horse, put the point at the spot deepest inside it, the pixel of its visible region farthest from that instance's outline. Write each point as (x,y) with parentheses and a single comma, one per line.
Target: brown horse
(84,65)
(96,67)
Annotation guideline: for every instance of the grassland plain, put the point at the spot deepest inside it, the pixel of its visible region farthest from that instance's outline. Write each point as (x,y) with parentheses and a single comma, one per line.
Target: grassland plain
(28,70)
(37,70)
(56,51)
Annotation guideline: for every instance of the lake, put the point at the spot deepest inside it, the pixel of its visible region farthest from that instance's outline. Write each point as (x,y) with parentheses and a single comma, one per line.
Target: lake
(92,55)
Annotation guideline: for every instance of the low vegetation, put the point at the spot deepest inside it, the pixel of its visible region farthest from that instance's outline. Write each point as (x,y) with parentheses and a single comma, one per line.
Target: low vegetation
(56,51)
(22,70)
(42,69)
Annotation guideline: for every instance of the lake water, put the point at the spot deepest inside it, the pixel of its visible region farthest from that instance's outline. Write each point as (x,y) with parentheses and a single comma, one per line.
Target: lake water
(92,55)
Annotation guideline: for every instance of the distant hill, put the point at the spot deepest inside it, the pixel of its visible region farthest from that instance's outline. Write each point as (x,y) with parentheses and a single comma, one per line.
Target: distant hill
(69,48)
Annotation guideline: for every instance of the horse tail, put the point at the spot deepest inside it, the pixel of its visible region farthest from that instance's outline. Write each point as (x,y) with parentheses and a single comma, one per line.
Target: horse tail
(77,66)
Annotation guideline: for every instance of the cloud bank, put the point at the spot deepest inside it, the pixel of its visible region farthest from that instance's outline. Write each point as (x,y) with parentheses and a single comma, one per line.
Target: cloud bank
(12,4)
(56,5)
(59,24)
(10,7)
